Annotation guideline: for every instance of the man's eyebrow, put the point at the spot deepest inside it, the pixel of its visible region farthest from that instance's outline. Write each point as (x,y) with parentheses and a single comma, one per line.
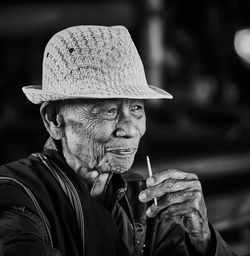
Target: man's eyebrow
(104,102)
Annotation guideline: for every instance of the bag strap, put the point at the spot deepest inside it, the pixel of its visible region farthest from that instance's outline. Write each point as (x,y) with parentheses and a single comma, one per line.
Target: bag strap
(68,189)
(41,215)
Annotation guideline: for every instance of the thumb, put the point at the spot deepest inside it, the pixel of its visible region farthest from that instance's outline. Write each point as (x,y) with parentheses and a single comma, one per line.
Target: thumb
(100,184)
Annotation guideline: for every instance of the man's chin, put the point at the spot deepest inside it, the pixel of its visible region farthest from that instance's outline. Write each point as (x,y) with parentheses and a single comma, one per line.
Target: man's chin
(118,164)
(121,164)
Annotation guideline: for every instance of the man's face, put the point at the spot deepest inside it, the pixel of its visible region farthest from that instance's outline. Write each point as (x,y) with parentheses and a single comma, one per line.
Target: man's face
(104,134)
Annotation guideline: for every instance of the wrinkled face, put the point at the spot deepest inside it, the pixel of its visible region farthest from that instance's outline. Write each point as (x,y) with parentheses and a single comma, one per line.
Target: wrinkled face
(104,134)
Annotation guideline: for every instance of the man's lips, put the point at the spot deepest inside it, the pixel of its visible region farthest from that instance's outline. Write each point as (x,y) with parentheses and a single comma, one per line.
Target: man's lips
(122,151)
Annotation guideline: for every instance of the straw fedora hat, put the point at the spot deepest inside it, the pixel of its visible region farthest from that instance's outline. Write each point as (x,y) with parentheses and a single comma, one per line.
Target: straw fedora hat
(92,62)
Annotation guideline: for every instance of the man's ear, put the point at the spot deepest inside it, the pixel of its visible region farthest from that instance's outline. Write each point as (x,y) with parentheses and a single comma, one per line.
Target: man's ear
(53,121)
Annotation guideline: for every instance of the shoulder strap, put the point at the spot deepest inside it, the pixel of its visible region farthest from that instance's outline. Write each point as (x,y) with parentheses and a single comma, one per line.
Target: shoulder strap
(68,189)
(41,215)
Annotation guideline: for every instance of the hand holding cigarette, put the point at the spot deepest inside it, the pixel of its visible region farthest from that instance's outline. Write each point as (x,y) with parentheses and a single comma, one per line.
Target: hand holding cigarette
(180,198)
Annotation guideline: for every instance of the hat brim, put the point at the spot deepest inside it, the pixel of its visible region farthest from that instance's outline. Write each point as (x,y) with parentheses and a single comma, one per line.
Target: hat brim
(37,95)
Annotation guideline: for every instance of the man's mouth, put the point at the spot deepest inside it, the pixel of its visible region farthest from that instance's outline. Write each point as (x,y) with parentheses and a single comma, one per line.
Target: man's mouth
(122,151)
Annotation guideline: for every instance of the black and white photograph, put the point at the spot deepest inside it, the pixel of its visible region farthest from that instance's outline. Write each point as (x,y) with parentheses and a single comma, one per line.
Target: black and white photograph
(125,128)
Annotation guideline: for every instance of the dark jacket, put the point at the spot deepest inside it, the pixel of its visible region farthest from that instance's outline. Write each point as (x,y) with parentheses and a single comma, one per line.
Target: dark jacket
(115,226)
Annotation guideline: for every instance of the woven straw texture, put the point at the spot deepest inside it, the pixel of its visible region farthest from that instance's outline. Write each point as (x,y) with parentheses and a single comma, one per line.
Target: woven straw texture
(92,62)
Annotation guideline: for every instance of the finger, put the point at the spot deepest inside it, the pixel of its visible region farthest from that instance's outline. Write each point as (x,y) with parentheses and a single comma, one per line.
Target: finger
(192,221)
(92,175)
(159,177)
(184,209)
(177,210)
(169,199)
(89,177)
(189,218)
(99,184)
(168,186)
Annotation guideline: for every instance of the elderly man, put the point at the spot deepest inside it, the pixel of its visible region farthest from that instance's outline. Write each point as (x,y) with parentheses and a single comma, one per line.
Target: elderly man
(78,196)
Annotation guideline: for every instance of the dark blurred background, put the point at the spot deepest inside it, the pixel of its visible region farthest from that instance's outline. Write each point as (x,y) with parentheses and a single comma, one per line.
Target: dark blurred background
(199,51)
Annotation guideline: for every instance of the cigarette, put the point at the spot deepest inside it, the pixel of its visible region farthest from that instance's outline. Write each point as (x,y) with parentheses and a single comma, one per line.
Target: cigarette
(150,175)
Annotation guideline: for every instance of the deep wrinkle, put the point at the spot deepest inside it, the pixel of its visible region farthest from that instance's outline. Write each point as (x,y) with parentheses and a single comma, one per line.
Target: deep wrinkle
(96,125)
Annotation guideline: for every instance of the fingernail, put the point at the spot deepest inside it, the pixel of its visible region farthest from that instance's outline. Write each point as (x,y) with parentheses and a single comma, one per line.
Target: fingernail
(148,212)
(142,196)
(94,174)
(151,181)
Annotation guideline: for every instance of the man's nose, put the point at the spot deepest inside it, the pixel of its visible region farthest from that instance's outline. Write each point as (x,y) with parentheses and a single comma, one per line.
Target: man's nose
(125,128)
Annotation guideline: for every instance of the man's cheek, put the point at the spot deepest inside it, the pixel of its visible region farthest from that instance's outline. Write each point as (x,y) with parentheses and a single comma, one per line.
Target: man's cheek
(73,141)
(141,126)
(102,135)
(142,132)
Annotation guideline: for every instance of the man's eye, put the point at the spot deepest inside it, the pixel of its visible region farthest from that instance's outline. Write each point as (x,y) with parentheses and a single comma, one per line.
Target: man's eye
(137,110)
(112,111)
